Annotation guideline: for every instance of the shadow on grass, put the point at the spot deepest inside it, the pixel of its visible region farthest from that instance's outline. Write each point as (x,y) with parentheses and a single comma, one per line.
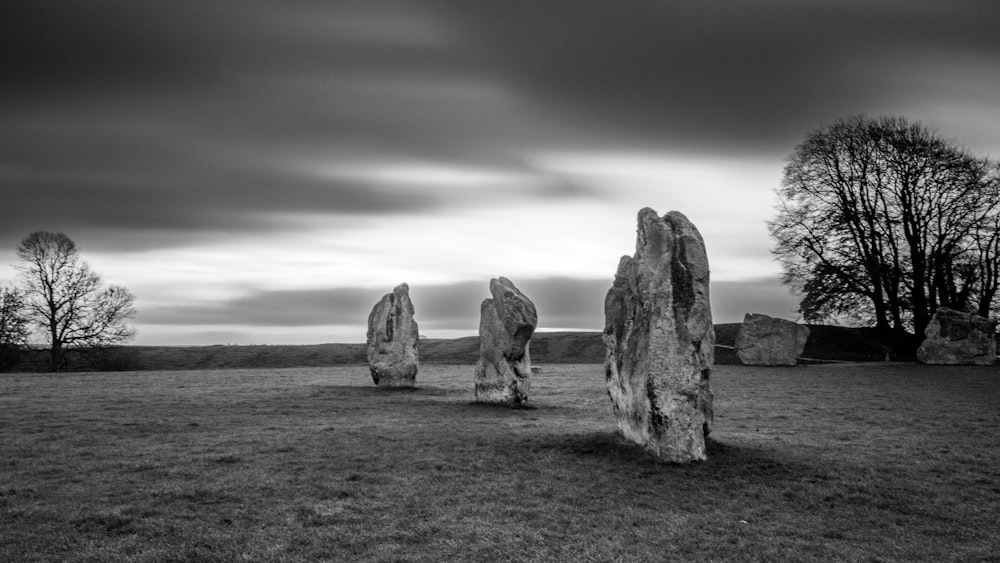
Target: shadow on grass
(501,407)
(724,459)
(364,391)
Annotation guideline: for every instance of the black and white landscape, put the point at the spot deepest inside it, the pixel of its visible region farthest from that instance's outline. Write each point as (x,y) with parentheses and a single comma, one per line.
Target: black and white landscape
(543,280)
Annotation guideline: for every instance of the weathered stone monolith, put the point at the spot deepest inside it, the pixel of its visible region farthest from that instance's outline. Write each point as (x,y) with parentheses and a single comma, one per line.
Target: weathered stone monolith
(954,338)
(769,341)
(393,357)
(660,341)
(506,323)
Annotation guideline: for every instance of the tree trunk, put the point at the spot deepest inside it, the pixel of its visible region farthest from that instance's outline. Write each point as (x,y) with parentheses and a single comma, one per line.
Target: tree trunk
(986,302)
(56,355)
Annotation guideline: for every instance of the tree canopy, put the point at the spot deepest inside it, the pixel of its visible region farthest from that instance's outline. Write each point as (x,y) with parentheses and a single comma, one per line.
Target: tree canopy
(880,221)
(68,301)
(13,326)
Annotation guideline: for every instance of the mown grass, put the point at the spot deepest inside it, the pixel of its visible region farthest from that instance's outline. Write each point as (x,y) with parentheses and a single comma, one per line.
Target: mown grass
(878,462)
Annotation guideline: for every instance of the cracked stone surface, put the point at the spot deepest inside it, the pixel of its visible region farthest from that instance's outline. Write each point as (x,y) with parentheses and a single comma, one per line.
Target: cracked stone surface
(506,323)
(954,338)
(393,356)
(660,341)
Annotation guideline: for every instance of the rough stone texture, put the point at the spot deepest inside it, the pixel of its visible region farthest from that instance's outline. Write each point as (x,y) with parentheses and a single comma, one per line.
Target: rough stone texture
(954,337)
(660,341)
(393,357)
(767,341)
(506,323)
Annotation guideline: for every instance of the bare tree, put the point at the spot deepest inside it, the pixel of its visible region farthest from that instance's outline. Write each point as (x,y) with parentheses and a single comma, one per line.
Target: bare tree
(884,221)
(67,300)
(985,253)
(13,327)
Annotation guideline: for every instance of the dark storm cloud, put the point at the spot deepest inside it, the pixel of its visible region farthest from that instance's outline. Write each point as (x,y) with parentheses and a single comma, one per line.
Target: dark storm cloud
(66,49)
(124,121)
(703,72)
(60,49)
(146,124)
(126,201)
(168,120)
(716,74)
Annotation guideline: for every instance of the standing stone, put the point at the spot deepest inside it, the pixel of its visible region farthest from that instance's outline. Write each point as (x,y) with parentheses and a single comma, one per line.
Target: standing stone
(767,341)
(659,340)
(953,337)
(392,340)
(506,323)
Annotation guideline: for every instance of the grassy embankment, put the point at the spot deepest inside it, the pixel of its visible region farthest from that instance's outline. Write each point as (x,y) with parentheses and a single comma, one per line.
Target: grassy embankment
(881,462)
(825,343)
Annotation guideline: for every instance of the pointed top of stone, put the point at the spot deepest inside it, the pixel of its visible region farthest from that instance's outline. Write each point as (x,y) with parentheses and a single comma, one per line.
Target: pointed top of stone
(623,265)
(501,282)
(511,303)
(515,311)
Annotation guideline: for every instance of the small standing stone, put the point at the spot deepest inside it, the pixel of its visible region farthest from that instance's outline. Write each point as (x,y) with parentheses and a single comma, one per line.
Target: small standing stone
(953,338)
(393,357)
(660,340)
(507,322)
(768,341)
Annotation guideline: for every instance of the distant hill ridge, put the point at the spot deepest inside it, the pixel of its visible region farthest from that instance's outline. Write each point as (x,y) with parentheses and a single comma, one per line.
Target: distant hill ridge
(825,343)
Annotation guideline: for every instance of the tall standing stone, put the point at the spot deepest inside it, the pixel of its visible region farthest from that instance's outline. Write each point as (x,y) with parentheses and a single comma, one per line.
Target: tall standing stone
(769,341)
(660,340)
(506,323)
(392,340)
(953,337)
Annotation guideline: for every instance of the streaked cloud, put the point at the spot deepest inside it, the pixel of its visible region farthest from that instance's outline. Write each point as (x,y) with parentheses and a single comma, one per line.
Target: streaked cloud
(716,75)
(441,310)
(224,159)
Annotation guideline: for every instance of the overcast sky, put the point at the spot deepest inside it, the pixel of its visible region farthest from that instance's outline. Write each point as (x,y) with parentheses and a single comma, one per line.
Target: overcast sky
(262,172)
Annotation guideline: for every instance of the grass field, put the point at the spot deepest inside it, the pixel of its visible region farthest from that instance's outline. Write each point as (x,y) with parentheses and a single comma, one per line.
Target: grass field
(877,462)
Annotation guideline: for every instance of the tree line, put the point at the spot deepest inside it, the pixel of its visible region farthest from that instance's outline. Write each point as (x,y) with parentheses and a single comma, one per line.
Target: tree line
(880,222)
(58,298)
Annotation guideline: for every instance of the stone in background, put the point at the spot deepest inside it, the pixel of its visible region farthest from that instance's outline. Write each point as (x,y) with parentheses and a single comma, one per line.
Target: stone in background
(768,341)
(393,357)
(506,323)
(954,338)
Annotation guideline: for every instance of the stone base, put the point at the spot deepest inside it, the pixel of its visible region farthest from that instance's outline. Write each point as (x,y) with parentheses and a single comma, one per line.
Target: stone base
(394,377)
(508,385)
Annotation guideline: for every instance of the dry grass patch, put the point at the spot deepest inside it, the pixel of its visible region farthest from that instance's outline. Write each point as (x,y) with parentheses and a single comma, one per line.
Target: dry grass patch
(851,462)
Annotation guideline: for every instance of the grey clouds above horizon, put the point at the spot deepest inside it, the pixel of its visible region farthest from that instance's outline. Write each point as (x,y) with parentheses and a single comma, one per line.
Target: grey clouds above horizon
(561,303)
(140,128)
(189,103)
